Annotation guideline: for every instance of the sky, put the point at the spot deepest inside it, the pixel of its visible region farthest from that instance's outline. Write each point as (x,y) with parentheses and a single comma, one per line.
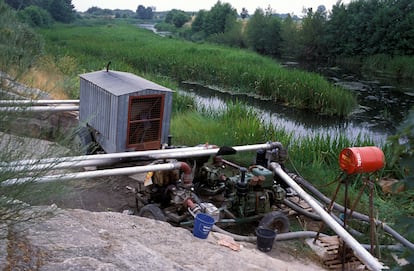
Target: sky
(278,6)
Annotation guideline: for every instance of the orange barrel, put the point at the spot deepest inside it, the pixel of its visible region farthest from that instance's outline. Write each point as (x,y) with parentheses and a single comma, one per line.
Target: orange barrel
(361,159)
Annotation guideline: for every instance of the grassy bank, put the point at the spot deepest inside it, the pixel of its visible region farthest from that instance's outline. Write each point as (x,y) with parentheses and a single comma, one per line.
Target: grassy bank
(140,51)
(393,67)
(158,59)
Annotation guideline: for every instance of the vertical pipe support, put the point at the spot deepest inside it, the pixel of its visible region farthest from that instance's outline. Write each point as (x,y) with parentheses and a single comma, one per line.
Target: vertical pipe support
(360,252)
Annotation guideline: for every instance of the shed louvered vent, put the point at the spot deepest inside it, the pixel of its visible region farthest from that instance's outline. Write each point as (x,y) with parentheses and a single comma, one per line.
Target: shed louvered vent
(145,122)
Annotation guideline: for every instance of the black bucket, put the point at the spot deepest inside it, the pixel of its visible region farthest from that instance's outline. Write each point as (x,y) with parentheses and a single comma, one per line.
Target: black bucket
(265,239)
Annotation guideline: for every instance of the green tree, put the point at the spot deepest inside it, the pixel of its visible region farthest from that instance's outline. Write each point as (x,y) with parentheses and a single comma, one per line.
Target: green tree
(218,17)
(177,17)
(232,35)
(19,44)
(197,26)
(100,12)
(263,33)
(371,27)
(35,16)
(336,34)
(291,44)
(20,4)
(62,10)
(313,33)
(198,23)
(144,13)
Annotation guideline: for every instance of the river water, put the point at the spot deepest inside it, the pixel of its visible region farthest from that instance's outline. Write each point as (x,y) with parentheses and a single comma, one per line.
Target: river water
(383,104)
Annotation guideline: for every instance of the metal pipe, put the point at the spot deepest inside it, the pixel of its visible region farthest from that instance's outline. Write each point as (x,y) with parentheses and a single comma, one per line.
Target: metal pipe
(95,173)
(37,102)
(360,252)
(204,150)
(354,214)
(58,165)
(73,161)
(186,154)
(50,108)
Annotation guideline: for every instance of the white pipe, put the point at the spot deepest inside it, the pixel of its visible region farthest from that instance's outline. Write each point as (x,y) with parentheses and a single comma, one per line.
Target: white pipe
(37,102)
(93,174)
(360,252)
(119,155)
(50,108)
(59,165)
(185,154)
(204,150)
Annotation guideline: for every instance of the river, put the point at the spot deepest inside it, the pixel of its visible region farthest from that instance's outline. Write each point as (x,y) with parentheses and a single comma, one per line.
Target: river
(383,104)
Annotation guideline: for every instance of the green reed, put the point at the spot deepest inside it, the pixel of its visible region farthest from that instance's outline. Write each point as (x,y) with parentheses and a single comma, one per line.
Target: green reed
(140,51)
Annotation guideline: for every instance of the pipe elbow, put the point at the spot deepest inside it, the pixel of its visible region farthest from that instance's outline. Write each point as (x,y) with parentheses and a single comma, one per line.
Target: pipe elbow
(187,173)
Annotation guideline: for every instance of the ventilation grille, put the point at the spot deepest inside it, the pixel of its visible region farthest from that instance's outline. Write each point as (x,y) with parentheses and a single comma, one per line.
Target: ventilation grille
(145,122)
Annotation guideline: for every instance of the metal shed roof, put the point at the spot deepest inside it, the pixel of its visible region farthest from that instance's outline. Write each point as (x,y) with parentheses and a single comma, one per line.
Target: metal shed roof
(121,83)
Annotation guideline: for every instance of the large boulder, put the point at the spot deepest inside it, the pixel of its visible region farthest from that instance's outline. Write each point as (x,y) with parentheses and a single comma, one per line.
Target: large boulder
(82,240)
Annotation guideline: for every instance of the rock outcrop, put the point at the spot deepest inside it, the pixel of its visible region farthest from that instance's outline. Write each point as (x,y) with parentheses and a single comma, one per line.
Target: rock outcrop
(82,240)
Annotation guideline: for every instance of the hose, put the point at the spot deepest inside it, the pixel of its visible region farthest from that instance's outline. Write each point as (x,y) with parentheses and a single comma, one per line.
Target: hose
(316,217)
(279,236)
(354,214)
(293,235)
(300,210)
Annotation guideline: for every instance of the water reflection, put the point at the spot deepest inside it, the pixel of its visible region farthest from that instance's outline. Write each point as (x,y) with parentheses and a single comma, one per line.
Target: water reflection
(151,27)
(381,109)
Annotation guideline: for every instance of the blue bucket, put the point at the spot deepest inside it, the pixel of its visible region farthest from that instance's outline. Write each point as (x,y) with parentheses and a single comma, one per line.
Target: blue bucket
(202,225)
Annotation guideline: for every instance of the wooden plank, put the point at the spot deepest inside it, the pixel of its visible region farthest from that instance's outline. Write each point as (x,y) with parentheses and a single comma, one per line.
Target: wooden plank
(330,254)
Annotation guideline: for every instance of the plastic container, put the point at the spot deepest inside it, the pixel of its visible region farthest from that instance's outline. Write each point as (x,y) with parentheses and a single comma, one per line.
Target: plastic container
(211,210)
(202,225)
(265,239)
(361,159)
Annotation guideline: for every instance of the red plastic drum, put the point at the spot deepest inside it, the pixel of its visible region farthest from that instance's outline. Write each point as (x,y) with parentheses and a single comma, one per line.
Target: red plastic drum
(361,159)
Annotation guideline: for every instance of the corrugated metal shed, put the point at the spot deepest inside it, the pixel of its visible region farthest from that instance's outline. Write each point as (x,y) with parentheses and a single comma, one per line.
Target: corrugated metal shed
(125,111)
(121,83)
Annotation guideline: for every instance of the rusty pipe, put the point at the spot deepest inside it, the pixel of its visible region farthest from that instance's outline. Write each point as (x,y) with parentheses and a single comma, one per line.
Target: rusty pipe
(187,174)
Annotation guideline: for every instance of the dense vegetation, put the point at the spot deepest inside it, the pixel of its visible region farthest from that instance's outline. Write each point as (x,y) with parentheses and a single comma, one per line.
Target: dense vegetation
(19,44)
(234,70)
(160,59)
(39,12)
(358,30)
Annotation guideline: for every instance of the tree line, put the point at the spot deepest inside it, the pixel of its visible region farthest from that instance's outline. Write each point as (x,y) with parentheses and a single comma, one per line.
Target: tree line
(363,27)
(43,12)
(360,28)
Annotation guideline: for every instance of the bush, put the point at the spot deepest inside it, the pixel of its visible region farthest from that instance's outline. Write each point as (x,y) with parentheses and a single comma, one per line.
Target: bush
(19,44)
(35,16)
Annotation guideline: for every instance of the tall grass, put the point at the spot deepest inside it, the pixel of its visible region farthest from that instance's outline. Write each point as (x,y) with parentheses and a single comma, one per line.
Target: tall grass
(235,125)
(396,66)
(137,50)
